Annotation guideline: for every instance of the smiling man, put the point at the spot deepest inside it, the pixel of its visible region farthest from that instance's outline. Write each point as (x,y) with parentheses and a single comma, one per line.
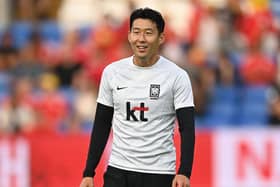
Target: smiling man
(140,98)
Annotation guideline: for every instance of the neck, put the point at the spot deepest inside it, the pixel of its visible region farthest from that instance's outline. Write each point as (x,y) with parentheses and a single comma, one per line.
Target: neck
(143,62)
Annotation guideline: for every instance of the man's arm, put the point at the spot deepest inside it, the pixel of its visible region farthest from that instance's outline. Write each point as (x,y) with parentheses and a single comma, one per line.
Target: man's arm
(185,118)
(99,137)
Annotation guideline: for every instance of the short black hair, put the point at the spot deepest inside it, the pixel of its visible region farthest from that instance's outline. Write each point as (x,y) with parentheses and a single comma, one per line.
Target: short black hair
(148,13)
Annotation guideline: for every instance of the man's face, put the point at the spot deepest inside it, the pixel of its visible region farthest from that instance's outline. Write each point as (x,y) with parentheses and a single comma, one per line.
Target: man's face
(144,39)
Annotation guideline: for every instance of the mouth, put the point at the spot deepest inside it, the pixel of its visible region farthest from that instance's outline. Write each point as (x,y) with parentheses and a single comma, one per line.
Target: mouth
(141,48)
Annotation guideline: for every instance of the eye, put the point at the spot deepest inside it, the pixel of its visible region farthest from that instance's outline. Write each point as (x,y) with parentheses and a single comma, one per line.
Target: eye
(148,32)
(135,31)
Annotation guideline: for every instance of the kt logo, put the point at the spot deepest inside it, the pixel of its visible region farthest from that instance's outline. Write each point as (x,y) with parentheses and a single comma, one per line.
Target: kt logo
(130,112)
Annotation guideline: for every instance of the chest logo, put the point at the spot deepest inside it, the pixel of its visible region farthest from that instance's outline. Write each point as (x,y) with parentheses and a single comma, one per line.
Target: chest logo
(131,113)
(154,91)
(120,88)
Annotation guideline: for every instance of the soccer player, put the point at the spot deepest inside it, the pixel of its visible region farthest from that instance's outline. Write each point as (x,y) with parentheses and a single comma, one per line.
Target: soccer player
(140,98)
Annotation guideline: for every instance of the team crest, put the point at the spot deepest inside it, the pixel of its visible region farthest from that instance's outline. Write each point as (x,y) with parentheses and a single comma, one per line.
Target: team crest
(154,91)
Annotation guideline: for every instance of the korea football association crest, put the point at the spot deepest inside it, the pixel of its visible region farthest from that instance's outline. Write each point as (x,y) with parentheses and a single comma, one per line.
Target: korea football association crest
(154,91)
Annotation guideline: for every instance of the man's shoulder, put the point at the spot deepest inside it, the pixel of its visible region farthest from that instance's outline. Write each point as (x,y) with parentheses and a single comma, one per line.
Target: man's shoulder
(119,64)
(171,66)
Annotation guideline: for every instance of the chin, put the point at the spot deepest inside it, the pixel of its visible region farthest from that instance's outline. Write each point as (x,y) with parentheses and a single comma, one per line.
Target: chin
(142,57)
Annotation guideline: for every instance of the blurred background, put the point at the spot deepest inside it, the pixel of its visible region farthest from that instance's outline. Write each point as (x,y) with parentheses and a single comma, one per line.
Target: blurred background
(52,54)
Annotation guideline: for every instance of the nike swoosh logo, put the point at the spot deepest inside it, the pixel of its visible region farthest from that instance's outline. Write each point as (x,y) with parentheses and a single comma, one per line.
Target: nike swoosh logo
(120,88)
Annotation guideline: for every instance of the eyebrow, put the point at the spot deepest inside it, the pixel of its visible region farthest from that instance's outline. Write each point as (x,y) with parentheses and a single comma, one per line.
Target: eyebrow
(145,29)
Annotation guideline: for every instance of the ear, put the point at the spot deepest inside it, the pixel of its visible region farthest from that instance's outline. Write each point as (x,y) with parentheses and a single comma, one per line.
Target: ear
(161,38)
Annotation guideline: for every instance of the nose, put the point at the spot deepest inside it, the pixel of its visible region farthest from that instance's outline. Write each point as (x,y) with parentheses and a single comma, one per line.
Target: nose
(142,37)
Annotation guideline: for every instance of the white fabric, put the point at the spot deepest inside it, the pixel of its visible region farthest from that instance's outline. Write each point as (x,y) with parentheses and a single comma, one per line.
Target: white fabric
(145,145)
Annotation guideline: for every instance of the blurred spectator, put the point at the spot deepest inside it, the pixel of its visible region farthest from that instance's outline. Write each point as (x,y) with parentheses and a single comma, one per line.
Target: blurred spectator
(270,43)
(43,51)
(198,11)
(28,63)
(50,104)
(254,19)
(8,51)
(104,34)
(84,102)
(174,51)
(230,38)
(17,110)
(208,34)
(225,71)
(34,10)
(274,106)
(256,63)
(86,13)
(8,57)
(202,77)
(46,10)
(69,61)
(104,47)
(4,13)
(274,96)
(73,125)
(23,10)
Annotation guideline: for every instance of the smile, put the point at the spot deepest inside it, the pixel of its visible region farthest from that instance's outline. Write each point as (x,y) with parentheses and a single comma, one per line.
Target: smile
(141,48)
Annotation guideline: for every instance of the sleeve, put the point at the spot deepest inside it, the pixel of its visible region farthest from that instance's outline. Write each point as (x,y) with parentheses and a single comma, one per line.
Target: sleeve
(105,95)
(99,138)
(183,95)
(185,118)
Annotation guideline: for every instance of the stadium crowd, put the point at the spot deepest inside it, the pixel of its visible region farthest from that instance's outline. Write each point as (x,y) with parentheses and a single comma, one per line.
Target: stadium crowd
(50,70)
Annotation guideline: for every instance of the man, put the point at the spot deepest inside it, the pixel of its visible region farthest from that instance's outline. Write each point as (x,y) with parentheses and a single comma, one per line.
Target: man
(141,97)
